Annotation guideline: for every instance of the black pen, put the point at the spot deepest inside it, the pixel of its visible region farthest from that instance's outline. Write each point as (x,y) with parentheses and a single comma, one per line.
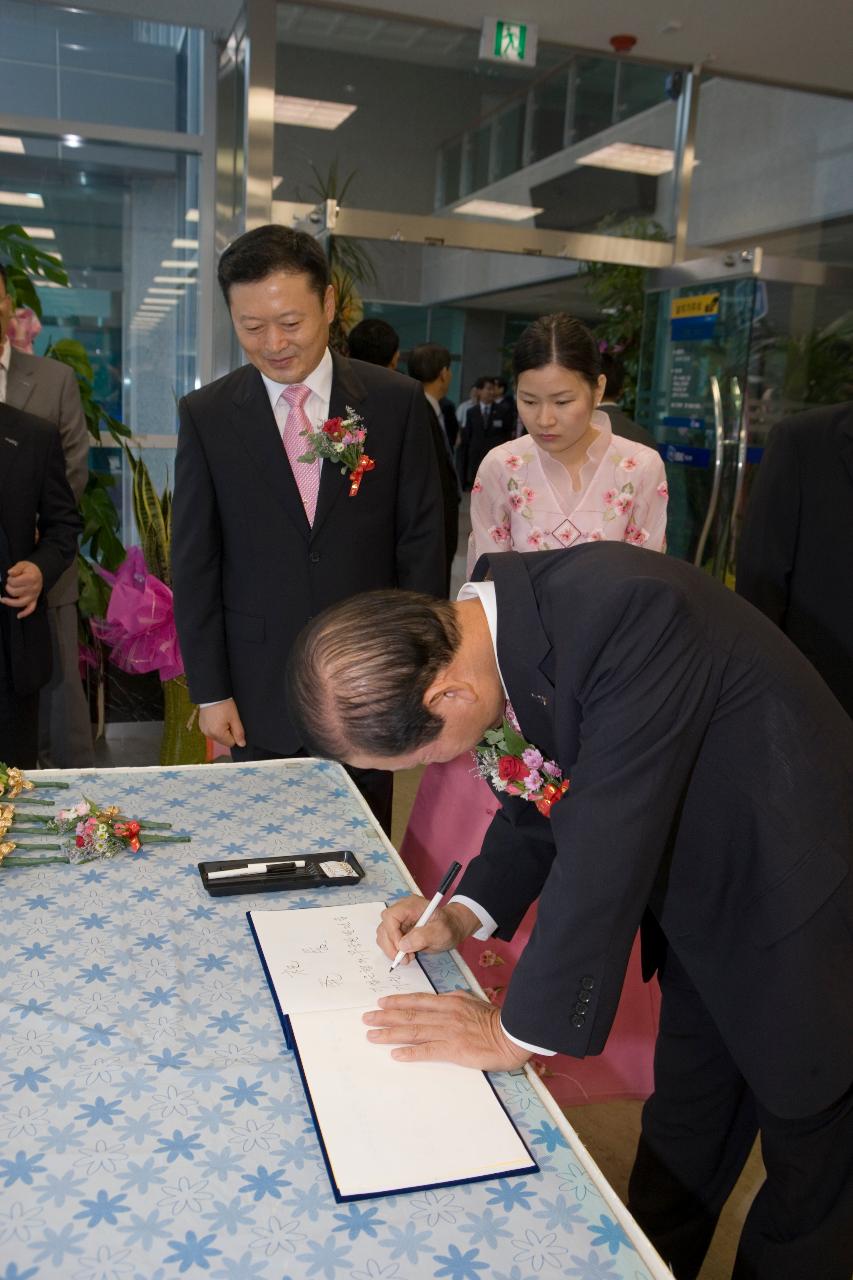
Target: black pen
(453,872)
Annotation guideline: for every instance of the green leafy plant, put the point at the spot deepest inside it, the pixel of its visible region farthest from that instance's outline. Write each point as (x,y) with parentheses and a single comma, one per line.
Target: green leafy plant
(350,263)
(25,263)
(810,368)
(619,293)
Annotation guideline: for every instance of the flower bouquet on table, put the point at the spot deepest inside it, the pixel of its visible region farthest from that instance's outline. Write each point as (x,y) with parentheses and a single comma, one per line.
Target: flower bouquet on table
(510,763)
(341,440)
(87,831)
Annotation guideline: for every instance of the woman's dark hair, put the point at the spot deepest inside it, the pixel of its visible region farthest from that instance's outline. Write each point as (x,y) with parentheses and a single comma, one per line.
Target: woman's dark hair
(260,252)
(557,339)
(357,674)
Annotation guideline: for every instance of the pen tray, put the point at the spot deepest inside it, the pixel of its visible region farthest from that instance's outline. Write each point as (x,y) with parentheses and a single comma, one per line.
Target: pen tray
(311,876)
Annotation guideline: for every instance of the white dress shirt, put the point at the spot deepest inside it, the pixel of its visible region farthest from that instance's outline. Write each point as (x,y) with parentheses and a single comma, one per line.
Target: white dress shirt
(5,358)
(319,381)
(485,593)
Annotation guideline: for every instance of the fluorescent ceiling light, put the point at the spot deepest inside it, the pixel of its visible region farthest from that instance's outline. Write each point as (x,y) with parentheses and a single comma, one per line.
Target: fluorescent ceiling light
(191,215)
(179,293)
(174,280)
(174,263)
(47,284)
(41,233)
(12,145)
(26,199)
(184,244)
(71,140)
(164,302)
(311,113)
(631,157)
(497,209)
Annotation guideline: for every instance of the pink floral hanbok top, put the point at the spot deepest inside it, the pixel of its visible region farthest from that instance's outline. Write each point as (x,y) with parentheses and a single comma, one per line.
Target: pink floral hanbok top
(523,499)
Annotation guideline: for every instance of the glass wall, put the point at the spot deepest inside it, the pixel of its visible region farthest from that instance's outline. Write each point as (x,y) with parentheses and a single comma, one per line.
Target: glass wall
(124,218)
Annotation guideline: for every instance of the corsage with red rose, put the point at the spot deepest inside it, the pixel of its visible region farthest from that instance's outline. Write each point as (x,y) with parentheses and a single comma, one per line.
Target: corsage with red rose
(510,763)
(341,440)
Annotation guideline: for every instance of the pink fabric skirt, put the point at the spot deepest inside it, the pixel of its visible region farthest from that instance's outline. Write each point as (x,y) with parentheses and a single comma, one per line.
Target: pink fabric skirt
(449,818)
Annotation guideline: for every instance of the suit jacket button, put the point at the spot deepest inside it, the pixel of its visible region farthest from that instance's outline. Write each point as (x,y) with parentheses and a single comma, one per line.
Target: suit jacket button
(314,557)
(587,983)
(586,996)
(577,1021)
(580,1010)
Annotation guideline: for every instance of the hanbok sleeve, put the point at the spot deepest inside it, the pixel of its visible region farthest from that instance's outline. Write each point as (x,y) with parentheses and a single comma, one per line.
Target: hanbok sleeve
(490,523)
(647,526)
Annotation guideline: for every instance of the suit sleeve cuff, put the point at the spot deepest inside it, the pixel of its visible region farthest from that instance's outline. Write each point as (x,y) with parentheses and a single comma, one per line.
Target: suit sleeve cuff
(522,1044)
(487,924)
(217,703)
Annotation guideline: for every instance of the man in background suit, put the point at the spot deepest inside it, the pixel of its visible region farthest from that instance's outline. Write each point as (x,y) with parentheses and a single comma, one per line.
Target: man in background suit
(795,556)
(474,442)
(711,780)
(429,364)
(34,493)
(261,541)
(376,342)
(48,390)
(614,371)
(504,416)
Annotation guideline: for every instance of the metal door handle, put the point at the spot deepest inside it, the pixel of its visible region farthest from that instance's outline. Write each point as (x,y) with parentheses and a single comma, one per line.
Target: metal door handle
(713,501)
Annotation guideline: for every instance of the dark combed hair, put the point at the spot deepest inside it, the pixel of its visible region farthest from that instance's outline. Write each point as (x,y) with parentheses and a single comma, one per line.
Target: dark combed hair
(613,369)
(557,339)
(357,674)
(374,341)
(258,253)
(426,361)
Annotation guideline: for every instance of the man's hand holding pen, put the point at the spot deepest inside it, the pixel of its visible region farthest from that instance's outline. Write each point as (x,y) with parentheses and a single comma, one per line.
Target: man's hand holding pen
(446,928)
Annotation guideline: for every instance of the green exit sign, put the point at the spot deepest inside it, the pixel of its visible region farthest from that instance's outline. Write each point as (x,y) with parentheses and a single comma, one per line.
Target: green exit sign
(504,40)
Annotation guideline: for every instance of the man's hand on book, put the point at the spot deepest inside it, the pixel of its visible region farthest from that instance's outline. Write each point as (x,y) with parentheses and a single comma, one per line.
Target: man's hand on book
(448,927)
(453,1027)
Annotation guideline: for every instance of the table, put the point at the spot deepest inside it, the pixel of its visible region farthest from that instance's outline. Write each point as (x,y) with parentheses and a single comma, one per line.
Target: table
(152,1123)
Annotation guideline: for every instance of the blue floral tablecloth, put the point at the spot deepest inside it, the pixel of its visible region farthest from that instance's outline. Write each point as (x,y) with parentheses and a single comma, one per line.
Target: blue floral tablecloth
(152,1123)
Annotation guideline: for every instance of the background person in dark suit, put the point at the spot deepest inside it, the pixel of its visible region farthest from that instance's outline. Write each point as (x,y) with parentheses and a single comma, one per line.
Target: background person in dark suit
(473,443)
(711,781)
(429,364)
(376,342)
(34,493)
(260,541)
(614,371)
(795,556)
(48,389)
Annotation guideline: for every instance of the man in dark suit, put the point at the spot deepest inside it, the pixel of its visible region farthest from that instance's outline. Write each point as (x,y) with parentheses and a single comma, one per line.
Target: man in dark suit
(795,556)
(262,541)
(474,440)
(376,342)
(711,781)
(39,525)
(503,421)
(614,371)
(429,364)
(48,389)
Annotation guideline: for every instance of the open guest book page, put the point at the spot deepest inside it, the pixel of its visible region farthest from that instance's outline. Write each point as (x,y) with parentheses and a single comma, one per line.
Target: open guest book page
(384,1126)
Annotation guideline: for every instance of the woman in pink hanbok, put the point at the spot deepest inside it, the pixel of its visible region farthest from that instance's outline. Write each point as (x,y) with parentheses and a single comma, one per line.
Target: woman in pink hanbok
(568,481)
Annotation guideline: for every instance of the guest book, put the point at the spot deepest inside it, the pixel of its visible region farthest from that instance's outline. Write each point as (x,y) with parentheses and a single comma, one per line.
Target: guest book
(384,1126)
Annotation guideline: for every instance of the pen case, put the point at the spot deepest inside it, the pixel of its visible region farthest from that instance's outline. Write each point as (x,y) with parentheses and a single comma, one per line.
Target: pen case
(322,870)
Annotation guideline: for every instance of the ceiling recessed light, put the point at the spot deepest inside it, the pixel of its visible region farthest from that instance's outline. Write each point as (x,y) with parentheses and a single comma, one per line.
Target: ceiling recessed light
(23,199)
(41,233)
(71,140)
(14,146)
(174,280)
(184,244)
(311,113)
(631,157)
(174,263)
(191,215)
(498,209)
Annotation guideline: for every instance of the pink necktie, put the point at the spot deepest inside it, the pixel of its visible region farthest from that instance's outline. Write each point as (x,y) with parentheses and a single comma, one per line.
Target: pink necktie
(306,474)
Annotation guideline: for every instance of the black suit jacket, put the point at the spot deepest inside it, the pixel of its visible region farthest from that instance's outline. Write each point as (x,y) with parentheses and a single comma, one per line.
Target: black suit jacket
(711,785)
(33,492)
(626,427)
(485,427)
(795,557)
(247,569)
